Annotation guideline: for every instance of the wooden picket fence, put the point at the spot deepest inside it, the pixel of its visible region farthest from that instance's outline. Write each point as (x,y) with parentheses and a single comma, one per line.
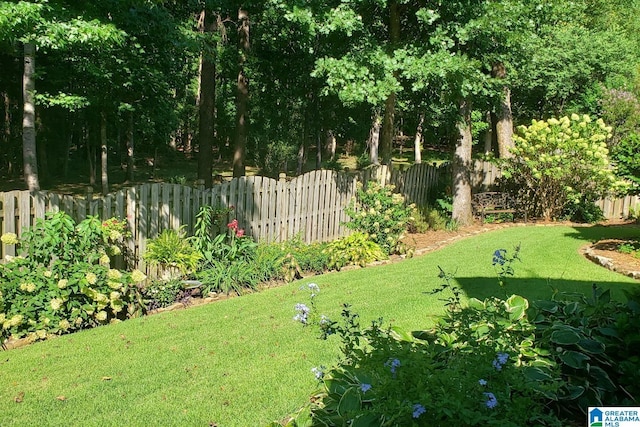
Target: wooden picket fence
(311,206)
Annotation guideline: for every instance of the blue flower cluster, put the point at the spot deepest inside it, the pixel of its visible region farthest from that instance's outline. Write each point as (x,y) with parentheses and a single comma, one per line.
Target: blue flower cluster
(393,364)
(491,401)
(418,410)
(303,313)
(318,372)
(365,387)
(498,257)
(500,360)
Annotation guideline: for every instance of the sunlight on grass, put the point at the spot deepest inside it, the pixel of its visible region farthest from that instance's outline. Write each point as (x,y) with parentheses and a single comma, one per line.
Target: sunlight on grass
(244,361)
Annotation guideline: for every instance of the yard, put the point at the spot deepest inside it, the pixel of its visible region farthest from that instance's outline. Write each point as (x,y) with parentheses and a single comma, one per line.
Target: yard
(245,362)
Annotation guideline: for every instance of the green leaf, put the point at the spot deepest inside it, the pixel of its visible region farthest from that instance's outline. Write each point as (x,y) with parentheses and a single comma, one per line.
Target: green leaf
(573,392)
(548,306)
(574,359)
(536,374)
(602,378)
(517,307)
(565,336)
(591,346)
(350,401)
(477,304)
(366,420)
(401,335)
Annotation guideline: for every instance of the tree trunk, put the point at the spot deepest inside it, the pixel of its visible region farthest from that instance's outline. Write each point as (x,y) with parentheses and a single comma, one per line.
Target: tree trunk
(91,153)
(206,107)
(242,96)
(130,149)
(461,168)
(331,145)
(488,135)
(386,143)
(417,142)
(104,154)
(374,138)
(30,162)
(504,123)
(318,151)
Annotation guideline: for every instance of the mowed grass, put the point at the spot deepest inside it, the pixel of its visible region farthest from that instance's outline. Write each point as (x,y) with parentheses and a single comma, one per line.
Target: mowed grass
(244,361)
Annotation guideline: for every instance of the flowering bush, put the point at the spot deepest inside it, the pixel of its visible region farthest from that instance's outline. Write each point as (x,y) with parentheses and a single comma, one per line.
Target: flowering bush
(492,362)
(380,213)
(557,163)
(62,280)
(477,366)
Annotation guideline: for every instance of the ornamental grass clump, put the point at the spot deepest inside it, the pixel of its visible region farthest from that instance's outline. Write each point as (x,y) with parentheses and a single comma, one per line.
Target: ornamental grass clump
(558,164)
(62,280)
(381,213)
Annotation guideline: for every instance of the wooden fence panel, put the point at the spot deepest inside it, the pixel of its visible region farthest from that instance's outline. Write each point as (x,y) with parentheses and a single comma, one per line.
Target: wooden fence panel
(311,205)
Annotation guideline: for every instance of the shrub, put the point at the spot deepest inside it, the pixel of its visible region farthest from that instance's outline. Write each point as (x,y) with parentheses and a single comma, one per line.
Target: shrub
(626,156)
(356,249)
(496,362)
(559,162)
(163,293)
(172,249)
(62,281)
(380,213)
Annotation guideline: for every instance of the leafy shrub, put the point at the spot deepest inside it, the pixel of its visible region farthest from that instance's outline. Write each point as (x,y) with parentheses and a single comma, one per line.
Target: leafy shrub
(227,277)
(380,213)
(583,211)
(478,365)
(162,293)
(62,282)
(496,362)
(173,249)
(626,156)
(594,341)
(557,162)
(356,249)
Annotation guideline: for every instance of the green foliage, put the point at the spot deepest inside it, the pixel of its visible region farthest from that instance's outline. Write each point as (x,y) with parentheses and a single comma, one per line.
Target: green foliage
(626,156)
(173,249)
(355,249)
(592,340)
(557,163)
(479,364)
(62,282)
(225,276)
(162,293)
(583,211)
(496,361)
(380,213)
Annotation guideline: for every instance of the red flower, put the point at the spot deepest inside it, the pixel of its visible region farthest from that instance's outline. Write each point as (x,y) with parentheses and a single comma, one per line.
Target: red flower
(233,225)
(240,232)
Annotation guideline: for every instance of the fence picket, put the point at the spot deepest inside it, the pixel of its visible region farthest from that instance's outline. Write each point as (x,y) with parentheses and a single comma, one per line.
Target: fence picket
(311,205)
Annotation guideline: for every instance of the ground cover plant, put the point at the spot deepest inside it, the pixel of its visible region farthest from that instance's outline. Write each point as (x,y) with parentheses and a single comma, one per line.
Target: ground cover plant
(244,361)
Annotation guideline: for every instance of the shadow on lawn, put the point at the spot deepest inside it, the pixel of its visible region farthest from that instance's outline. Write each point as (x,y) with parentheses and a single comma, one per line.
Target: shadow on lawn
(599,232)
(535,288)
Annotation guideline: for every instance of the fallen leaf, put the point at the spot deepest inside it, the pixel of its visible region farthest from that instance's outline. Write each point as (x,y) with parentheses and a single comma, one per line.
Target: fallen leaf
(61,398)
(19,397)
(106,378)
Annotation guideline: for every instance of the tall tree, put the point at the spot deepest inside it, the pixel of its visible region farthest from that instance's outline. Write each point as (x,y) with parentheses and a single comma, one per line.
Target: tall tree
(208,24)
(461,167)
(388,128)
(30,163)
(242,95)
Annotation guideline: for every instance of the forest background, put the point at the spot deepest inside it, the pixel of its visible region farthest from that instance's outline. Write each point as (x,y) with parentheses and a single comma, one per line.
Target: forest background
(94,91)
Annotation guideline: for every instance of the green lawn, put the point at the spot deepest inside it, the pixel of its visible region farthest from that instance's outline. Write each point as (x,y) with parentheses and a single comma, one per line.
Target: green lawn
(244,361)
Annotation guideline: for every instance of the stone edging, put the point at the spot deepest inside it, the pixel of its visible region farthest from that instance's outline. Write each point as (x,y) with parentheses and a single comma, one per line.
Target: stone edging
(607,263)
